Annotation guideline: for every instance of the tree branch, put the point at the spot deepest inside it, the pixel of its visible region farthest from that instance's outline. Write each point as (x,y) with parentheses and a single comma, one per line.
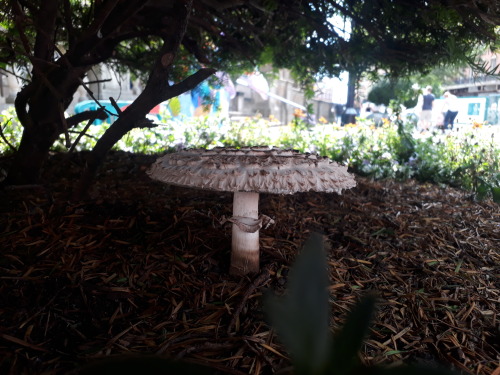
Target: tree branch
(91,119)
(5,139)
(45,23)
(21,102)
(189,83)
(99,20)
(18,15)
(87,115)
(110,18)
(156,91)
(195,49)
(68,22)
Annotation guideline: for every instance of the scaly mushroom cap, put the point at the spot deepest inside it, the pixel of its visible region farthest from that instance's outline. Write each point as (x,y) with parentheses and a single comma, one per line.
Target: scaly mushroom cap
(252,169)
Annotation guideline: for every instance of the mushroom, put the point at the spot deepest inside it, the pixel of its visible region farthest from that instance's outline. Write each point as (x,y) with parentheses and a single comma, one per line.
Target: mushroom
(248,172)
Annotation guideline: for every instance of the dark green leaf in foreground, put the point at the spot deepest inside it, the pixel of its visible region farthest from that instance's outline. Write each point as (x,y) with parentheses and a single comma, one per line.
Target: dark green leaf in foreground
(301,316)
(496,194)
(349,339)
(482,190)
(301,320)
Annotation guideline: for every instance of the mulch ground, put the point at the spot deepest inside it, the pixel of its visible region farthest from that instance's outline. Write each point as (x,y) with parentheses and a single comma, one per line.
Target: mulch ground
(142,267)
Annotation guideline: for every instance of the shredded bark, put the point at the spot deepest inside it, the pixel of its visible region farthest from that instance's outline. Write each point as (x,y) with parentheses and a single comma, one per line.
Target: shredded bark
(142,267)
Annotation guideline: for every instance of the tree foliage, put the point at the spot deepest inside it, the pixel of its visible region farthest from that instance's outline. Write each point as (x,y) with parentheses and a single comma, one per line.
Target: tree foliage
(405,90)
(386,90)
(53,44)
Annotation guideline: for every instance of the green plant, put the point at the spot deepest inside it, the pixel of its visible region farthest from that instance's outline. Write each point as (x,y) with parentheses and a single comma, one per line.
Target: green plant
(387,90)
(468,159)
(479,173)
(248,132)
(10,130)
(301,319)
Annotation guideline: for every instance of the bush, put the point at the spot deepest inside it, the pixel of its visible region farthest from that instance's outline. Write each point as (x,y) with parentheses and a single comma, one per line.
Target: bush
(467,159)
(11,131)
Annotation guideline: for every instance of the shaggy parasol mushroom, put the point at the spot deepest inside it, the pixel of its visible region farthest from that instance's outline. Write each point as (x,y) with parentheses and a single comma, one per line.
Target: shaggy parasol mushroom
(248,172)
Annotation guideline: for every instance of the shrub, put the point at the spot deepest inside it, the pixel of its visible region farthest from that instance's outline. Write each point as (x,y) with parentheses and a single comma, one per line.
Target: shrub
(10,131)
(467,159)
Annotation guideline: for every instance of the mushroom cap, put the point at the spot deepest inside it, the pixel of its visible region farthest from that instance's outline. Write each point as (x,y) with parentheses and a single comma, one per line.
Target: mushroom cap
(252,169)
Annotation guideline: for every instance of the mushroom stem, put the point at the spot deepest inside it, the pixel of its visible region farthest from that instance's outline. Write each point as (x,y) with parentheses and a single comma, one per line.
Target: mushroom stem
(245,245)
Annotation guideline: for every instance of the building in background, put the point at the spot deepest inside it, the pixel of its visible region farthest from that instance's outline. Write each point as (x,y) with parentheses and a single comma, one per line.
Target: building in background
(246,96)
(479,94)
(282,96)
(101,80)
(9,86)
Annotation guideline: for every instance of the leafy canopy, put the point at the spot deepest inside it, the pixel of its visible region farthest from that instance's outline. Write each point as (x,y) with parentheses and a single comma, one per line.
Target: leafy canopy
(308,37)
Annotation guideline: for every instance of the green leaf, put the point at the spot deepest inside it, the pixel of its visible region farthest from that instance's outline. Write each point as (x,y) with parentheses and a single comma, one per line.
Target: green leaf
(348,341)
(495,191)
(174,105)
(482,191)
(301,316)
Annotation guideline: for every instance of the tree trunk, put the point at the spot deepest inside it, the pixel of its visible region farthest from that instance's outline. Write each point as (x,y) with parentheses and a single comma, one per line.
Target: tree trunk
(40,109)
(29,158)
(155,92)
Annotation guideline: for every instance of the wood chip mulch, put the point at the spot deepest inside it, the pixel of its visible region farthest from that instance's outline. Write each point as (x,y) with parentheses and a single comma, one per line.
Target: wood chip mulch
(141,267)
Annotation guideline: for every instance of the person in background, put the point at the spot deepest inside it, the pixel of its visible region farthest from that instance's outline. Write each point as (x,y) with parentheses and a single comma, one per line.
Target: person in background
(493,114)
(427,102)
(451,106)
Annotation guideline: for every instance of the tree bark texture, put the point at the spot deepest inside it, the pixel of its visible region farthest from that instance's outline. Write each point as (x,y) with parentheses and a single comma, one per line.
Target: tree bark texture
(40,108)
(40,104)
(155,92)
